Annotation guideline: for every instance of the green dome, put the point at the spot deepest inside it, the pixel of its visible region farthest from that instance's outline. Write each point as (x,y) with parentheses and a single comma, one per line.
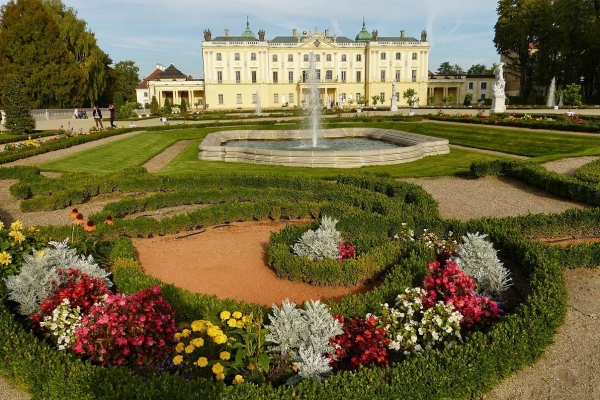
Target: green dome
(248,32)
(363,35)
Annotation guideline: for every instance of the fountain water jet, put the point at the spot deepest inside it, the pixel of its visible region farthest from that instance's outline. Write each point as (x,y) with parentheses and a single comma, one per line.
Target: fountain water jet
(551,99)
(314,100)
(258,110)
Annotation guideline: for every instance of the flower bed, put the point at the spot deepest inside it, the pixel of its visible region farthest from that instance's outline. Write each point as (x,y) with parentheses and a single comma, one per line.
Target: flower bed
(464,370)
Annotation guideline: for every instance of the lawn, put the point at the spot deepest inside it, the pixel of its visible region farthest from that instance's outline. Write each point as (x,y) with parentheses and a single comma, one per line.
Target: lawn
(136,150)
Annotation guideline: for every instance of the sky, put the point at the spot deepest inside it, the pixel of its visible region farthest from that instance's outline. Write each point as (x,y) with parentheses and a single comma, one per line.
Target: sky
(151,32)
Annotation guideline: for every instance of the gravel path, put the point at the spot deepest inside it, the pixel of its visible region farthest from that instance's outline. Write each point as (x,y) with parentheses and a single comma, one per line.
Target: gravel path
(157,163)
(570,367)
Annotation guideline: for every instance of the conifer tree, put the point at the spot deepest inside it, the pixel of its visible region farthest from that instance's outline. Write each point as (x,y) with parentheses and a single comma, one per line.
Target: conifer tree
(183,106)
(31,47)
(154,108)
(118,102)
(168,109)
(16,106)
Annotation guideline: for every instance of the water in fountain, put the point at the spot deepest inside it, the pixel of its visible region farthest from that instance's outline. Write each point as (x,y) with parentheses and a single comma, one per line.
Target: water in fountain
(258,109)
(551,100)
(314,101)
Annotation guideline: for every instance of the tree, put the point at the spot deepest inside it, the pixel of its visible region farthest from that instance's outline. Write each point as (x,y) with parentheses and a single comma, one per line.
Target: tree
(31,47)
(118,102)
(468,99)
(167,107)
(127,78)
(478,69)
(183,106)
(375,99)
(16,106)
(81,43)
(572,95)
(127,111)
(154,108)
(411,97)
(445,69)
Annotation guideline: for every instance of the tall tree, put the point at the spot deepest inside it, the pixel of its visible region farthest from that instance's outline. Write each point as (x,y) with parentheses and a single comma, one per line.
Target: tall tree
(127,78)
(477,69)
(14,101)
(445,69)
(30,47)
(81,43)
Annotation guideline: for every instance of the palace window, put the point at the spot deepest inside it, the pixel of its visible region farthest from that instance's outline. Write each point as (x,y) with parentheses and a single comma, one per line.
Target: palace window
(317,57)
(220,97)
(358,76)
(359,57)
(414,56)
(254,98)
(275,77)
(470,85)
(414,75)
(252,56)
(329,75)
(290,57)
(318,73)
(398,56)
(328,57)
(357,97)
(290,76)
(397,76)
(275,57)
(291,97)
(236,57)
(342,97)
(253,76)
(239,98)
(483,85)
(306,58)
(383,76)
(383,55)
(382,97)
(343,58)
(238,76)
(275,98)
(343,76)
(218,56)
(219,76)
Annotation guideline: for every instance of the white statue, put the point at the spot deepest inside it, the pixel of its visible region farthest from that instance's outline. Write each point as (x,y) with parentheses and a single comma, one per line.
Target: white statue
(500,83)
(393,106)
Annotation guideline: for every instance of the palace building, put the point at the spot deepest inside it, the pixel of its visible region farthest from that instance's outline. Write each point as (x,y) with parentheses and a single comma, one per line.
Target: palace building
(241,71)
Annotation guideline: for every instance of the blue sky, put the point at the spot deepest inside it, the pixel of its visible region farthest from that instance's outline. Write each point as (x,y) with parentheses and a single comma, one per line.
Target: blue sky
(151,31)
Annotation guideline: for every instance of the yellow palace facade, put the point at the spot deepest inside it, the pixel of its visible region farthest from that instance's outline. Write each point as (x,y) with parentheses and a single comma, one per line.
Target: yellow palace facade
(241,71)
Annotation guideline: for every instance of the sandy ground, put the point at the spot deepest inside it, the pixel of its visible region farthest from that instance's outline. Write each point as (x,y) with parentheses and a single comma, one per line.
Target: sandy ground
(568,370)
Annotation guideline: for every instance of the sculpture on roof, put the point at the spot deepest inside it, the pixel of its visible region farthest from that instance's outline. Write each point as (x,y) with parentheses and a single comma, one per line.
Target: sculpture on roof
(423,35)
(375,33)
(207,35)
(261,35)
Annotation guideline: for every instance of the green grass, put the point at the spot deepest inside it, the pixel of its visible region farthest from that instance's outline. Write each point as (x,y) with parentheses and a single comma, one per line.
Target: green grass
(136,150)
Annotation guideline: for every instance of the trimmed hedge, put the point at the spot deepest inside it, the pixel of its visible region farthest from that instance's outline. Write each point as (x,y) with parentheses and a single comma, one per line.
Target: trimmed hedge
(554,125)
(464,372)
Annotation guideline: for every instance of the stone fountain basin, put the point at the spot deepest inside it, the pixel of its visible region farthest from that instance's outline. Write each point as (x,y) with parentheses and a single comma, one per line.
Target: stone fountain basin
(414,147)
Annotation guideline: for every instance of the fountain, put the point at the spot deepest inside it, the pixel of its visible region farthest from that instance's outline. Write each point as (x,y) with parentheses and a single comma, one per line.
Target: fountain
(315,147)
(551,100)
(258,110)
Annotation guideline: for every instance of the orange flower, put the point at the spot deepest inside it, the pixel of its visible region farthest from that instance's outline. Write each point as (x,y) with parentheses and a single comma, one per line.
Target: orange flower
(109,220)
(73,213)
(79,219)
(90,226)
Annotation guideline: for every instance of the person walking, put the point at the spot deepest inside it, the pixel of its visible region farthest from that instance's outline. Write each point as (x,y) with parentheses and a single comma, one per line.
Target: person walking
(111,110)
(97,114)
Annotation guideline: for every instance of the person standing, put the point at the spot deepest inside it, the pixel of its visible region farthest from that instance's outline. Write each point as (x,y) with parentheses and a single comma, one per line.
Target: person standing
(97,114)
(111,110)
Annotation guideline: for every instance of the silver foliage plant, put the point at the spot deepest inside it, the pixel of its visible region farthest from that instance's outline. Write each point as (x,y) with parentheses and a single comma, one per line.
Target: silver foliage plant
(320,243)
(303,336)
(34,283)
(478,258)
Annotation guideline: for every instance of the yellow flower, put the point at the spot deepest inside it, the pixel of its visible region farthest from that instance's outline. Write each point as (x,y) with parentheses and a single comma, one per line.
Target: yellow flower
(225,315)
(177,336)
(198,326)
(220,377)
(5,258)
(177,360)
(198,342)
(245,319)
(232,322)
(238,379)
(224,355)
(214,331)
(220,339)
(190,348)
(185,333)
(239,324)
(217,368)
(17,235)
(1,225)
(294,367)
(202,362)
(237,315)
(16,226)
(179,348)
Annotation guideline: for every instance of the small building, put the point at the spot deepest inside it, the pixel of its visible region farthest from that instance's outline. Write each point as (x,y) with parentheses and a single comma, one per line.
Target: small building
(443,86)
(172,84)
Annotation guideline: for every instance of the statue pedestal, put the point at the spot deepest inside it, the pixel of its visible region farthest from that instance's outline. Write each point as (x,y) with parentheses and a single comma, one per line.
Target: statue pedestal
(393,107)
(498,105)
